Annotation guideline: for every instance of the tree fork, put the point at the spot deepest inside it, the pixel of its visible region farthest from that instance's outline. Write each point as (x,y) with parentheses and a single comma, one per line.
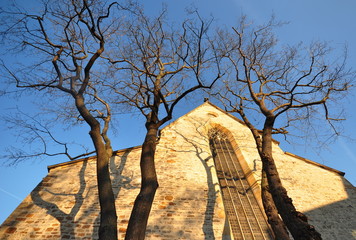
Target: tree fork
(108,217)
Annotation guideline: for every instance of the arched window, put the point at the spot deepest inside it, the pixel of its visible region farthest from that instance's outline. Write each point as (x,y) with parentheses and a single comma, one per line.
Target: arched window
(243,212)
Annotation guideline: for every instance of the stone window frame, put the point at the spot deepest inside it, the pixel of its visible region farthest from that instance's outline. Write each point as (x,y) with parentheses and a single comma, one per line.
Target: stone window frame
(249,174)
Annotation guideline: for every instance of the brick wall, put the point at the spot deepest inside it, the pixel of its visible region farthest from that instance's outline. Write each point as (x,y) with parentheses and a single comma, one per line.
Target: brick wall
(188,204)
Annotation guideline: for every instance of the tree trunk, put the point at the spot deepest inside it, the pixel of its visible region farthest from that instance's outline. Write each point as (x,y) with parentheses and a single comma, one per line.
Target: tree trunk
(276,223)
(108,217)
(139,216)
(296,222)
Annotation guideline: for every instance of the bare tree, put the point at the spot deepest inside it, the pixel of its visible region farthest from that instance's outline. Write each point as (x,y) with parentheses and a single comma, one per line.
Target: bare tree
(162,65)
(292,83)
(64,43)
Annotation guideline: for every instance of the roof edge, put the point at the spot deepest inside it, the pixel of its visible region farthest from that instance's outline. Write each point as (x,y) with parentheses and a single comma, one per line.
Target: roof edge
(176,120)
(115,153)
(316,164)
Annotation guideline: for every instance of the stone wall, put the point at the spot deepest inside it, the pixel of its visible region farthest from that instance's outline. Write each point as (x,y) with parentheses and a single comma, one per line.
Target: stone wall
(188,204)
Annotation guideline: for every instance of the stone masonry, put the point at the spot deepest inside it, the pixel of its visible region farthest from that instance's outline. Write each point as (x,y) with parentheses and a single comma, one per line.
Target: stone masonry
(188,203)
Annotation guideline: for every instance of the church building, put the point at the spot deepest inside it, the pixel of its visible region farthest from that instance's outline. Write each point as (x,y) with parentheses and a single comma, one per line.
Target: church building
(209,175)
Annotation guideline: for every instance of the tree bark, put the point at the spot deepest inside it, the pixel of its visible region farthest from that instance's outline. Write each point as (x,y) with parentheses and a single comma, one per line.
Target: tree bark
(139,216)
(108,217)
(276,223)
(296,222)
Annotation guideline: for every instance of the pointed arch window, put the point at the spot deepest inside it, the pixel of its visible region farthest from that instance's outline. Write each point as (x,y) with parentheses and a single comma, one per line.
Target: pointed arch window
(245,216)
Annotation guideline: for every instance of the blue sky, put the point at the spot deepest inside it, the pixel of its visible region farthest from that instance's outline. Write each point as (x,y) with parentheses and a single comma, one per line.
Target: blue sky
(331,21)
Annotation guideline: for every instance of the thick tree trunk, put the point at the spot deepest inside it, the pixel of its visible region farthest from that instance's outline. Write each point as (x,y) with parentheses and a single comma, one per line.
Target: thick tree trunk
(278,227)
(108,217)
(139,216)
(296,222)
(276,223)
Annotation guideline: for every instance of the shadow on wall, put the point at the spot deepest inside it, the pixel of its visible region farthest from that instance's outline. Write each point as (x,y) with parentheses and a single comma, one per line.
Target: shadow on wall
(69,224)
(212,193)
(183,205)
(337,221)
(66,220)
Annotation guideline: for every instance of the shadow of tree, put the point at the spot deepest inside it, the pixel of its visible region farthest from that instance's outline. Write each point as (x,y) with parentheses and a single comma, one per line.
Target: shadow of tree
(212,193)
(177,220)
(70,224)
(66,220)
